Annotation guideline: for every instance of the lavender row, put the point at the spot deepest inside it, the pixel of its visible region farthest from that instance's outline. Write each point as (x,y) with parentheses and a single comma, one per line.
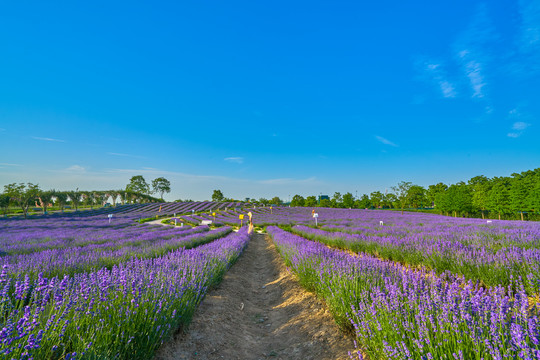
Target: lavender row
(398,313)
(56,262)
(126,312)
(491,267)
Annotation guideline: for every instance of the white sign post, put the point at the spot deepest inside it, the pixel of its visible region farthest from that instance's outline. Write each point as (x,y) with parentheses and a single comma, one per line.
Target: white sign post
(315,216)
(110,217)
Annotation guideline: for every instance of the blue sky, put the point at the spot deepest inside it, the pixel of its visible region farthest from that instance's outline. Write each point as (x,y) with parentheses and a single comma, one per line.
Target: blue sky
(260,99)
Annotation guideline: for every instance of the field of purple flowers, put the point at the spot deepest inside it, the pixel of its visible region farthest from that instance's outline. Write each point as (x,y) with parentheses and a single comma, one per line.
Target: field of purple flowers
(419,286)
(81,287)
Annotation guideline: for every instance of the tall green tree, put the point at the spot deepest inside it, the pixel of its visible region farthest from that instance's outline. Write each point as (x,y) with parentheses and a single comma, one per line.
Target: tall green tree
(276,201)
(433,190)
(533,199)
(337,200)
(499,198)
(480,187)
(298,200)
(519,193)
(325,203)
(75,198)
(364,202)
(348,200)
(5,200)
(160,186)
(138,184)
(23,195)
(311,201)
(45,199)
(61,198)
(217,195)
(459,198)
(402,192)
(417,196)
(376,199)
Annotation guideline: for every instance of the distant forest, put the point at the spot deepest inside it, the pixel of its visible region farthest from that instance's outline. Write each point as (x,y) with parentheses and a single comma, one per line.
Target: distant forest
(507,197)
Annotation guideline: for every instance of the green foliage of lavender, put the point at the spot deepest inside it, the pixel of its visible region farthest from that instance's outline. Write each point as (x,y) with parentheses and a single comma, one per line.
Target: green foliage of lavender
(398,313)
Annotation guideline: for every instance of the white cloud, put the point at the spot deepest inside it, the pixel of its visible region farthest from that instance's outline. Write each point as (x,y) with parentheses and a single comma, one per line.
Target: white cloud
(126,155)
(473,71)
(76,169)
(235,159)
(7,164)
(47,139)
(386,141)
(472,48)
(520,125)
(435,74)
(514,135)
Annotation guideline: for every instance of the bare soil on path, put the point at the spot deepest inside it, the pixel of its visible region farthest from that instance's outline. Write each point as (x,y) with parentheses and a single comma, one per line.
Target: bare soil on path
(259,311)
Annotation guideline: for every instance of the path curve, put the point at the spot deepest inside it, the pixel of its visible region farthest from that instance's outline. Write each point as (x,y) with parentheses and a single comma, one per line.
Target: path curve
(259,311)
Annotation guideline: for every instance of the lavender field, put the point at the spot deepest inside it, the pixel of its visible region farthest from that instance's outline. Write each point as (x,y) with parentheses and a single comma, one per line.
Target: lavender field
(418,286)
(81,287)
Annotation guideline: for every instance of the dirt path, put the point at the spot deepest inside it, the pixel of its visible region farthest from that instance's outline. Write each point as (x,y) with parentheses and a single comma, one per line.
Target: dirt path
(259,311)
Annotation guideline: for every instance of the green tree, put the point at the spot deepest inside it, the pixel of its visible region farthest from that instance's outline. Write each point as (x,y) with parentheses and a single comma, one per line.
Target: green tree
(480,187)
(364,202)
(376,199)
(137,184)
(417,196)
(459,198)
(432,192)
(160,186)
(264,201)
(61,199)
(392,200)
(533,199)
(5,200)
(23,195)
(311,201)
(337,200)
(298,200)
(45,199)
(217,195)
(348,200)
(499,198)
(402,193)
(75,198)
(519,193)
(325,203)
(276,201)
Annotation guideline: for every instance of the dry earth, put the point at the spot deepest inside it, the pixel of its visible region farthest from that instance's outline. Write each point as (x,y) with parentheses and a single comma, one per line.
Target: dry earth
(259,311)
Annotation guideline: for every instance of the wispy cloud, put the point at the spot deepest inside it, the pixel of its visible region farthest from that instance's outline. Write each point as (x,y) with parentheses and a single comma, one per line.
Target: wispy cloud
(434,73)
(76,169)
(235,159)
(520,122)
(2,129)
(7,164)
(472,48)
(473,71)
(127,155)
(385,141)
(47,139)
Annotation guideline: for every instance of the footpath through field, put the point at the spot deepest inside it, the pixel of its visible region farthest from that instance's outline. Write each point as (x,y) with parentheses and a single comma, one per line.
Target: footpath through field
(259,311)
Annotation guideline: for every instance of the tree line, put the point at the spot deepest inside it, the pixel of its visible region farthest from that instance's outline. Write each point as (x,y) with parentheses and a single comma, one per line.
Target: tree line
(507,197)
(30,195)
